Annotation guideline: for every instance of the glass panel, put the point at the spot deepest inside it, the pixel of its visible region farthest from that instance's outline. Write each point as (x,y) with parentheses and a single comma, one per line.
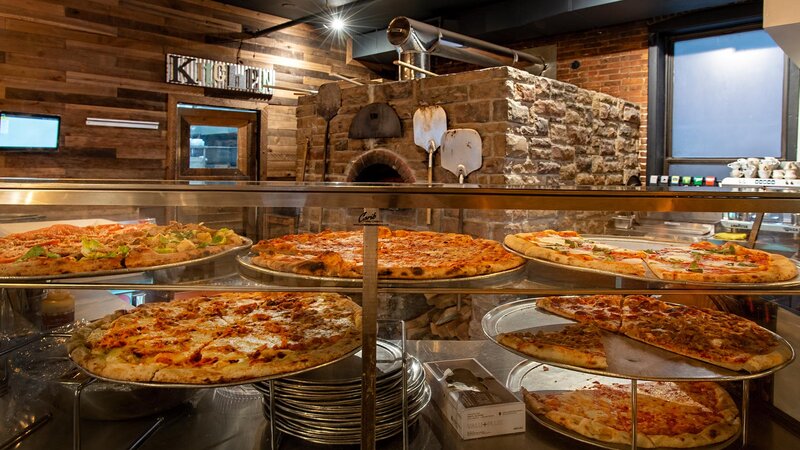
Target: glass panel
(727,96)
(213,147)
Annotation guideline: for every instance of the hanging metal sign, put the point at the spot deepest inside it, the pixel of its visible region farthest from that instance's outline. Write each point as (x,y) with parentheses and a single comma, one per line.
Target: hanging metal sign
(191,71)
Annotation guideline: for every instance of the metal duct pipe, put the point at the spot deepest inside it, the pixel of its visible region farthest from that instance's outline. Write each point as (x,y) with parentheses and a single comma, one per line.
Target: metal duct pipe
(417,41)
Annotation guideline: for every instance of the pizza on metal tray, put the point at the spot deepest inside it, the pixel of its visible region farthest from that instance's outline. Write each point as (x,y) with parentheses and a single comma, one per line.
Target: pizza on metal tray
(65,249)
(716,337)
(219,338)
(703,261)
(402,254)
(672,415)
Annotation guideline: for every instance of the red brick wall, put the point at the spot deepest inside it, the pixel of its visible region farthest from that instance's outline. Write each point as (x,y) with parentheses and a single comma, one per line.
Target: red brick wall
(612,61)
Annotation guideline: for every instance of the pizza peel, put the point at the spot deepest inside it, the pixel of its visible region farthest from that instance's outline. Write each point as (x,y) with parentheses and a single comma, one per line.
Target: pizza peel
(462,152)
(430,123)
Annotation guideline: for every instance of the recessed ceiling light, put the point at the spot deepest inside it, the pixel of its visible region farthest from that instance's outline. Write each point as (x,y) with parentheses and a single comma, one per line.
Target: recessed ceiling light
(337,24)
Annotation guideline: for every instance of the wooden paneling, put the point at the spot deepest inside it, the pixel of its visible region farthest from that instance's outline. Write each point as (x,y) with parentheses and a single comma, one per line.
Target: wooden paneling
(106,58)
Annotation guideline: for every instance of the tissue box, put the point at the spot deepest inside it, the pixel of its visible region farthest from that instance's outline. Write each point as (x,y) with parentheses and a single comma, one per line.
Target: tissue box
(474,402)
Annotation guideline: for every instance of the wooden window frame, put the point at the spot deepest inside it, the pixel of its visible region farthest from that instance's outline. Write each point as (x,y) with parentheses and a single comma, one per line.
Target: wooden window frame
(256,169)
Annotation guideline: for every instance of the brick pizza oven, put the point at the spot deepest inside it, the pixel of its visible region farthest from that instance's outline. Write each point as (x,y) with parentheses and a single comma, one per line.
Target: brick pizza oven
(534,130)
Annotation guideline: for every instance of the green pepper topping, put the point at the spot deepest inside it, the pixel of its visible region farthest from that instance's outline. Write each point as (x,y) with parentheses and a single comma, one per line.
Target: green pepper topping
(36,251)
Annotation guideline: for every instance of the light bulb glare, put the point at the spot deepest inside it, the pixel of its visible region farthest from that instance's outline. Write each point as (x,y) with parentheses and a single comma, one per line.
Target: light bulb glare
(337,24)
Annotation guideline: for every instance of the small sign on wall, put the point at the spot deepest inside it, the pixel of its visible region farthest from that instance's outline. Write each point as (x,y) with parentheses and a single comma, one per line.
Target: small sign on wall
(191,71)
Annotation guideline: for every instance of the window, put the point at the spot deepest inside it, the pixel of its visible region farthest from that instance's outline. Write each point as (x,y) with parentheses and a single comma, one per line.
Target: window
(217,142)
(726,94)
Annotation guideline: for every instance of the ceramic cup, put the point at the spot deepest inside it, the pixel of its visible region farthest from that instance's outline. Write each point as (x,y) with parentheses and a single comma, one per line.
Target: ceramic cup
(737,173)
(778,174)
(764,173)
(790,175)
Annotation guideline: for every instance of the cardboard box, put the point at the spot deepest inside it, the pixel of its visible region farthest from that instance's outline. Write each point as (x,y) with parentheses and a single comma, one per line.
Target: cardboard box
(474,402)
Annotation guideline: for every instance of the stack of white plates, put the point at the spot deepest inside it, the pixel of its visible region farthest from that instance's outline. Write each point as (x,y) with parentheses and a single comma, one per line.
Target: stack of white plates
(324,405)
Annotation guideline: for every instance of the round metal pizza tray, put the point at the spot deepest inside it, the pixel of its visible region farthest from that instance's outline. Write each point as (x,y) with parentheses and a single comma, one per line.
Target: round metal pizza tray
(387,398)
(545,379)
(627,358)
(350,395)
(263,274)
(314,430)
(217,385)
(650,277)
(348,371)
(127,271)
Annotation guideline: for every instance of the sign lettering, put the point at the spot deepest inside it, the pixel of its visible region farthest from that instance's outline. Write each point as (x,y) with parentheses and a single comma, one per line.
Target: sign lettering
(191,71)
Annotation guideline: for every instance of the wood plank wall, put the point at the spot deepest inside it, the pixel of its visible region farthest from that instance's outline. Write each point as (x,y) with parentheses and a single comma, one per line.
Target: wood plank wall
(106,58)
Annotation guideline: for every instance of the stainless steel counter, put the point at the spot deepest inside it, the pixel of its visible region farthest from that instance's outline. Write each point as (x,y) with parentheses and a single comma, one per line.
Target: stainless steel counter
(231,418)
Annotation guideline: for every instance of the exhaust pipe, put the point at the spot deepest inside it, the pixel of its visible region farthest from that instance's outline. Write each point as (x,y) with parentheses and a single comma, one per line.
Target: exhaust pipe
(417,41)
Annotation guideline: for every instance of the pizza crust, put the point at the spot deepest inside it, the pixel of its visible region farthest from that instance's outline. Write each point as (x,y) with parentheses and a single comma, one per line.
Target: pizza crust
(589,358)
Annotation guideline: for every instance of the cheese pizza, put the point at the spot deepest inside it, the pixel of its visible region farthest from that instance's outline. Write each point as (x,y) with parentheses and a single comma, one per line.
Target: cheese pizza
(219,338)
(701,262)
(672,415)
(402,254)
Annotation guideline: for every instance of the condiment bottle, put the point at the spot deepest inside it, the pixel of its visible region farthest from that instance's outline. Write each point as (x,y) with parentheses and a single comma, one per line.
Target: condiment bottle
(58,308)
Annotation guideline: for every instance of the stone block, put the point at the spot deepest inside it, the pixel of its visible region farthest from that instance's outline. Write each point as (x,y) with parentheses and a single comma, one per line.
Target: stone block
(444,95)
(518,112)
(563,153)
(517,146)
(549,108)
(524,92)
(491,89)
(547,167)
(577,135)
(631,113)
(568,172)
(465,113)
(584,179)
(558,133)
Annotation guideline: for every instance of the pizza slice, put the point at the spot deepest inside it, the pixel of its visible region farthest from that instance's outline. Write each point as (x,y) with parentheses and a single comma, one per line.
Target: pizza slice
(577,345)
(570,248)
(676,415)
(601,310)
(716,337)
(726,263)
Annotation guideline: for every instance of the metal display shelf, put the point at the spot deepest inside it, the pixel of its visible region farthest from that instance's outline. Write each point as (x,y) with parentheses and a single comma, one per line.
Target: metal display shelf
(342,195)
(91,194)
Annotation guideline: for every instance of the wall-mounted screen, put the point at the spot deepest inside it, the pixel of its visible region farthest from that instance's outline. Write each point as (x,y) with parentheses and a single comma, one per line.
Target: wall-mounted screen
(29,132)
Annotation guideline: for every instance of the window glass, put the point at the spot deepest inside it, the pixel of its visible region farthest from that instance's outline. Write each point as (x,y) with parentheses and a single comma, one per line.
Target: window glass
(700,170)
(213,147)
(727,96)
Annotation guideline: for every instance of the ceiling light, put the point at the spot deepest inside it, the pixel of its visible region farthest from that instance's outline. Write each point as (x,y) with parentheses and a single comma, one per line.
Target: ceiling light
(337,24)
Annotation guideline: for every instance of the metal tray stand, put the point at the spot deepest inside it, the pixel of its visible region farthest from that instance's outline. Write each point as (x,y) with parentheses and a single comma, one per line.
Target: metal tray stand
(627,359)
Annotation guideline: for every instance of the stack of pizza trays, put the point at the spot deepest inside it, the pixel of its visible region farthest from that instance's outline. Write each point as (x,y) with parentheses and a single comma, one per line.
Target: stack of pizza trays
(324,406)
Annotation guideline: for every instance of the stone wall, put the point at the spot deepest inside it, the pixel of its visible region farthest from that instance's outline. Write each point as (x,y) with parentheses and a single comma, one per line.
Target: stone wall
(535,131)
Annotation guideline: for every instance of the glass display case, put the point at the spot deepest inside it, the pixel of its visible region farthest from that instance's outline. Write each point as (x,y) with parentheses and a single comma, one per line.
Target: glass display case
(405,322)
